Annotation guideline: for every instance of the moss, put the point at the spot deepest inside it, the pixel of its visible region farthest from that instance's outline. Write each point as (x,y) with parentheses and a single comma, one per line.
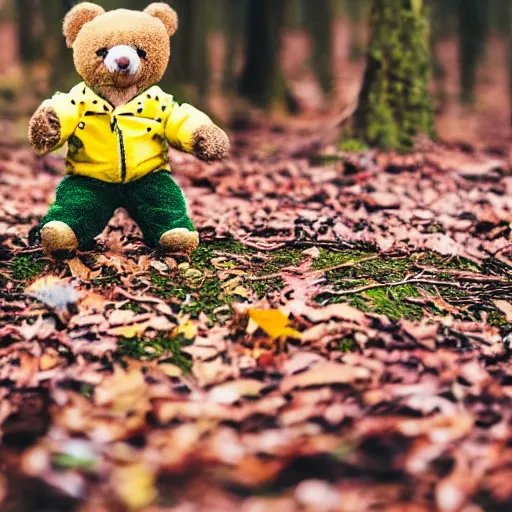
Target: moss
(386,301)
(346,345)
(27,267)
(133,306)
(436,260)
(498,319)
(110,277)
(280,259)
(201,259)
(147,349)
(277,261)
(329,258)
(197,293)
(353,145)
(393,301)
(394,103)
(380,270)
(264,288)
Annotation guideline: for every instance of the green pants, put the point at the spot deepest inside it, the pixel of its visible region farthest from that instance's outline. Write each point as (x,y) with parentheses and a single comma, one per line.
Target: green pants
(86,205)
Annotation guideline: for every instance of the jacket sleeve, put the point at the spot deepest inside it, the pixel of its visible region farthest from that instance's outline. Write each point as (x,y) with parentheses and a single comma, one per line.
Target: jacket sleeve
(182,122)
(68,112)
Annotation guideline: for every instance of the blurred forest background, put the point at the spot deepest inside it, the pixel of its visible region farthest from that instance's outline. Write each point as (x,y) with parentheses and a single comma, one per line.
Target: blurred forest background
(301,57)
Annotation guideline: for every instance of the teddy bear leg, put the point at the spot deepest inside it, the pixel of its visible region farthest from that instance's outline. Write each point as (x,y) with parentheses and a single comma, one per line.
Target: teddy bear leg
(82,209)
(158,206)
(58,240)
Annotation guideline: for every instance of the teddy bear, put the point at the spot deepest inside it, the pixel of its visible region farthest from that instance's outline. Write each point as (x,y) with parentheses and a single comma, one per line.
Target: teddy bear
(118,125)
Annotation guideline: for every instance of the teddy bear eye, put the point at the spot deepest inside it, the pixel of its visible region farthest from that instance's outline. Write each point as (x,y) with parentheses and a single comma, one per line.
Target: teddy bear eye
(103,52)
(141,53)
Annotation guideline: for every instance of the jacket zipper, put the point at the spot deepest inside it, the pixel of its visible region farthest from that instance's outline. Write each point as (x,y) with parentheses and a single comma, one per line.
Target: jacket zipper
(122,155)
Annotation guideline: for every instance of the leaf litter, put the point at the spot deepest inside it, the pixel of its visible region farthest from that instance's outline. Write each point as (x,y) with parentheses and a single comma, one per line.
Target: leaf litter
(340,341)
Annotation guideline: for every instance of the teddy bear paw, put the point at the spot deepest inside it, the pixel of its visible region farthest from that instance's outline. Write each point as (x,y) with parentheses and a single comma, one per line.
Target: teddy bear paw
(59,240)
(210,143)
(179,240)
(44,130)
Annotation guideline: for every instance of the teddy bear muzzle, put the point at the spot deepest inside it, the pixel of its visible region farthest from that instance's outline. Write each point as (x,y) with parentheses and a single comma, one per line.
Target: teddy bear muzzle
(122,59)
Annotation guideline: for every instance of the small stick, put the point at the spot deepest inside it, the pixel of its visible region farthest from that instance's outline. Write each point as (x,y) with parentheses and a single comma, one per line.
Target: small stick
(390,285)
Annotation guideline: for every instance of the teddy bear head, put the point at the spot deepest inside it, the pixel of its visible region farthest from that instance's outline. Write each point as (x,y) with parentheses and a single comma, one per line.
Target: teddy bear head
(120,48)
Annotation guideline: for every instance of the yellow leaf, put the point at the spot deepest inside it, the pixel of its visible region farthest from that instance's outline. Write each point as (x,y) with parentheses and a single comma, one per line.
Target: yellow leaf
(134,485)
(186,327)
(130,331)
(241,292)
(171,370)
(274,322)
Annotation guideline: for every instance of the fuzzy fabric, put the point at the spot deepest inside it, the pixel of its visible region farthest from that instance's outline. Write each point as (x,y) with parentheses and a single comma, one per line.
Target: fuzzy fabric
(86,205)
(77,17)
(58,239)
(179,240)
(209,143)
(165,14)
(44,130)
(141,30)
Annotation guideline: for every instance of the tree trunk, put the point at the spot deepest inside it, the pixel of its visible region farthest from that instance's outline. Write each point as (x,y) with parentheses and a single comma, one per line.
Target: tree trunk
(473,30)
(319,17)
(189,73)
(394,103)
(234,11)
(262,81)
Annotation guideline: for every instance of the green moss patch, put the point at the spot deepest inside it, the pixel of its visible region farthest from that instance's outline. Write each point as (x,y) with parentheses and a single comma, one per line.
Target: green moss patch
(409,301)
(27,267)
(167,349)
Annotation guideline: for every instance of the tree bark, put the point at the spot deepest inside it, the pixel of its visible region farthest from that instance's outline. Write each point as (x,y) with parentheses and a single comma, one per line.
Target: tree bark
(319,17)
(262,81)
(189,72)
(394,103)
(473,31)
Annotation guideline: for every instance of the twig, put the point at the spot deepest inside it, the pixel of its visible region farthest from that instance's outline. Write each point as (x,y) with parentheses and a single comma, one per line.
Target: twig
(390,285)
(276,275)
(347,264)
(462,276)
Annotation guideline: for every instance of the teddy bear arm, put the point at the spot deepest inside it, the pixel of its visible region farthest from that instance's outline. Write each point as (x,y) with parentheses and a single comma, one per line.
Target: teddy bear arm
(194,132)
(209,142)
(44,130)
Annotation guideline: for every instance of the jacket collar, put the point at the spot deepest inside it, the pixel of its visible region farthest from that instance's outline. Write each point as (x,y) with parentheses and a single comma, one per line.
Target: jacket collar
(98,105)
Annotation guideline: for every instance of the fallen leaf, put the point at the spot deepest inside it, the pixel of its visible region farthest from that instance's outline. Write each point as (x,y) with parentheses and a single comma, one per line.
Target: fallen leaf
(325,374)
(274,322)
(134,485)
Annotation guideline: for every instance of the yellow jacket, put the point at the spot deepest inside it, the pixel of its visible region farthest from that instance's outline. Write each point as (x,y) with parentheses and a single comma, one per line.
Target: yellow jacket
(122,144)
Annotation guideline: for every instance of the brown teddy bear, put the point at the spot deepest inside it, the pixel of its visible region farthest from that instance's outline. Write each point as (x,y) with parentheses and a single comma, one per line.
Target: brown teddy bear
(118,125)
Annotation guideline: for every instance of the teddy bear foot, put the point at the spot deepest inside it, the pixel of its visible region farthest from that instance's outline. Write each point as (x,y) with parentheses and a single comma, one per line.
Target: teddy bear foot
(59,240)
(179,240)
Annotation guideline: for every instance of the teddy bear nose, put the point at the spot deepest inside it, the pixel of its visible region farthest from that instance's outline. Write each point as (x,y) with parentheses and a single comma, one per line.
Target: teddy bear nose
(123,63)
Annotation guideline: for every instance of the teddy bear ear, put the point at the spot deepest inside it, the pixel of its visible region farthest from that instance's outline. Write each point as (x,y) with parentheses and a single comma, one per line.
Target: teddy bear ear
(166,14)
(77,17)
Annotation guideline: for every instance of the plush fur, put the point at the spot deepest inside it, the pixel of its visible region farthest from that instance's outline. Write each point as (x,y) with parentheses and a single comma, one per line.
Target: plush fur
(84,204)
(59,240)
(179,240)
(44,130)
(77,17)
(165,14)
(145,32)
(210,143)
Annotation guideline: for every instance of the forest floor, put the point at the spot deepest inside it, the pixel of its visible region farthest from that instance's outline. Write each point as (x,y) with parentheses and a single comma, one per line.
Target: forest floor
(340,340)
